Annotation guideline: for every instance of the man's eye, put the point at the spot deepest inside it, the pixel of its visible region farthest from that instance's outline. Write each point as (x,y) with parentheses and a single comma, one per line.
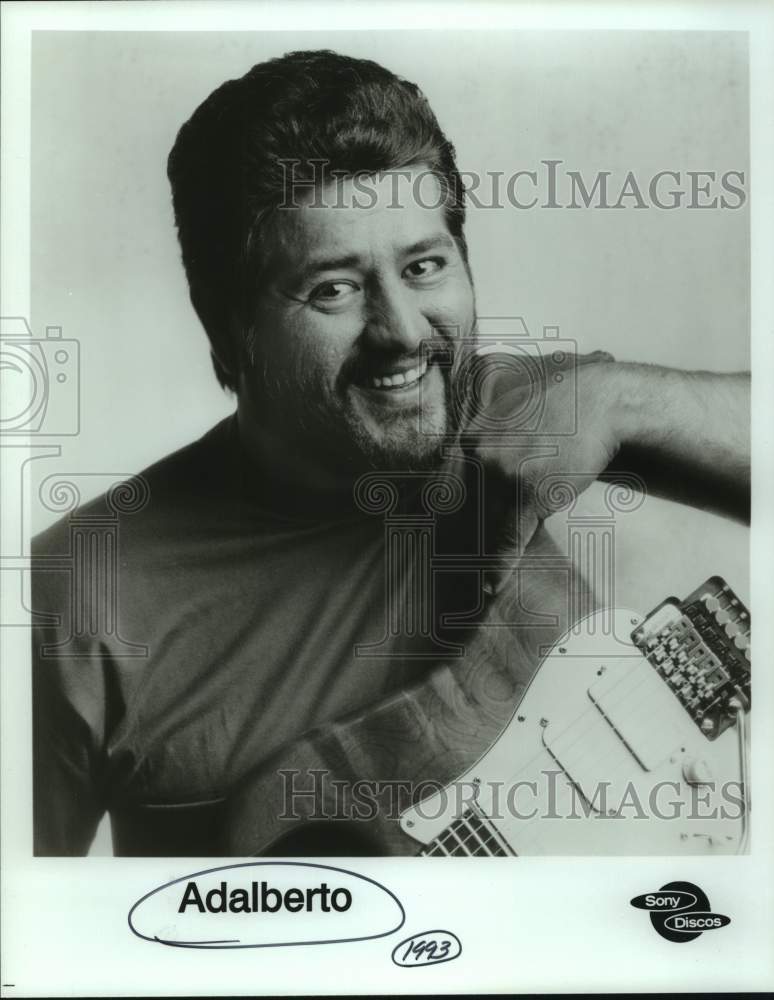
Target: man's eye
(333,291)
(424,268)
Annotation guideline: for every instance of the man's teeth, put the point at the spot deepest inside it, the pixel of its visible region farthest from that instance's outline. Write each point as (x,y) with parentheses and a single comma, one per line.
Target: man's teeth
(400,378)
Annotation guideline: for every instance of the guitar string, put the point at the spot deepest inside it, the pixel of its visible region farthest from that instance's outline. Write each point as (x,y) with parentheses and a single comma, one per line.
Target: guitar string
(441,840)
(501,847)
(622,691)
(600,720)
(462,843)
(617,696)
(601,724)
(489,831)
(483,834)
(500,841)
(466,825)
(490,819)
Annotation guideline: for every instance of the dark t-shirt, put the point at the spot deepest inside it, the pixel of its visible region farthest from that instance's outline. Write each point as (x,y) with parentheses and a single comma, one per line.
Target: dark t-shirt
(187,630)
(189,624)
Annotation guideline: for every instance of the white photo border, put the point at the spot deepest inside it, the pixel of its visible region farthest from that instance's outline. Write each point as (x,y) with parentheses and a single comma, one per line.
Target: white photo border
(558,924)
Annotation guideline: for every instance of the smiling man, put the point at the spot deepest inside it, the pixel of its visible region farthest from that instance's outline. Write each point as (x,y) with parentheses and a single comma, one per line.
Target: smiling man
(346,330)
(343,319)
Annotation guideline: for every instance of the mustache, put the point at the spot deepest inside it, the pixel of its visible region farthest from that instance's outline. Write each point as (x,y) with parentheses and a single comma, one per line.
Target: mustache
(440,350)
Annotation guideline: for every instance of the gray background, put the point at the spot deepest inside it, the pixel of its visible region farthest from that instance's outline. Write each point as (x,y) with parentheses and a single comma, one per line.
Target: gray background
(665,286)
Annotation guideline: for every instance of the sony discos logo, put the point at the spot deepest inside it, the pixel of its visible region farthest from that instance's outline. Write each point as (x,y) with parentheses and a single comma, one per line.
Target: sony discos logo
(680,911)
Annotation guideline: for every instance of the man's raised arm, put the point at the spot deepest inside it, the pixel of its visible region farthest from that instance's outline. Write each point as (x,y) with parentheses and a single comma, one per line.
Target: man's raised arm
(684,434)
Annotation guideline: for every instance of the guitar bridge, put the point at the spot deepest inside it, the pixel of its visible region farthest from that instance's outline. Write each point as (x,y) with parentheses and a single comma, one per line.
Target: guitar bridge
(700,648)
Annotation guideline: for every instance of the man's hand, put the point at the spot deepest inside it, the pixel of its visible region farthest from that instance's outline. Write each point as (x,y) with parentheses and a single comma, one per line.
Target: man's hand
(545,438)
(553,427)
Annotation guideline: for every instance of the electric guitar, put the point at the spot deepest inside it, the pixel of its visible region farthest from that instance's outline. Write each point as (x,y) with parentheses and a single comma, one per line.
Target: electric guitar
(638,750)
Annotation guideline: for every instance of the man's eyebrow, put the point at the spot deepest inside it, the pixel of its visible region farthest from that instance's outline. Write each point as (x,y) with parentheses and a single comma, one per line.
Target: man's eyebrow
(437,242)
(320,264)
(317,264)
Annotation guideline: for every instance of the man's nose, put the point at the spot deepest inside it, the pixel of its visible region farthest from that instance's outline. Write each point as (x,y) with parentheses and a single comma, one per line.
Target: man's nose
(395,322)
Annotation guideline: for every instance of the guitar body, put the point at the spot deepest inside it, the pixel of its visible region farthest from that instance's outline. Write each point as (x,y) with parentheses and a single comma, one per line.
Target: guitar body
(600,758)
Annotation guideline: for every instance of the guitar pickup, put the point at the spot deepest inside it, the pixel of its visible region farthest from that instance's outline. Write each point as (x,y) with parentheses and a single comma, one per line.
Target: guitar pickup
(636,716)
(642,711)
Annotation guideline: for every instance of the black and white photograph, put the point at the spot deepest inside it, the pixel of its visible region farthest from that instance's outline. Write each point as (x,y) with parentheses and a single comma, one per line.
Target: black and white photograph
(384,455)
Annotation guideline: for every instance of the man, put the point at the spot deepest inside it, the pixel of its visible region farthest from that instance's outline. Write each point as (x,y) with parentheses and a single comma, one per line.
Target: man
(251,594)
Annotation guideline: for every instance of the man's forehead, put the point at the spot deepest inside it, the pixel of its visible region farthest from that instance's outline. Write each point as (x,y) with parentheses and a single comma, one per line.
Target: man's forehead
(358,218)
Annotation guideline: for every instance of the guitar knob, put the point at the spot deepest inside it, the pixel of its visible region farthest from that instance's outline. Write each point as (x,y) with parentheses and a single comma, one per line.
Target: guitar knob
(697,772)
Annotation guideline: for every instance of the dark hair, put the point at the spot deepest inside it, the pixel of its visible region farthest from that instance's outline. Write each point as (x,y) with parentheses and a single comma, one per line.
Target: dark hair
(228,166)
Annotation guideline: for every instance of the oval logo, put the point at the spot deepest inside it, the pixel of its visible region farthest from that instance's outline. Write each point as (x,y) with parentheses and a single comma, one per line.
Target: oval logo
(696,920)
(265,904)
(427,948)
(664,902)
(680,912)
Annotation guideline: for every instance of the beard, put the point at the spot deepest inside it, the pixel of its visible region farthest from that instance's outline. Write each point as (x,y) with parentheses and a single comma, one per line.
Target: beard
(339,424)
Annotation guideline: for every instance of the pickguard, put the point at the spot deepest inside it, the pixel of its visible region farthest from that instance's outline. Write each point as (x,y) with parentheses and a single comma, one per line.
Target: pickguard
(600,758)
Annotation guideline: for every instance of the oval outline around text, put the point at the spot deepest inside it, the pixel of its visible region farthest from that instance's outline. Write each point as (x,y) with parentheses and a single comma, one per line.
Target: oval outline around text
(269,944)
(639,901)
(724,922)
(429,962)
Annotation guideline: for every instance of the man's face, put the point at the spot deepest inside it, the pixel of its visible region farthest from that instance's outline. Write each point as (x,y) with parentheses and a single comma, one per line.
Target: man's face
(340,362)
